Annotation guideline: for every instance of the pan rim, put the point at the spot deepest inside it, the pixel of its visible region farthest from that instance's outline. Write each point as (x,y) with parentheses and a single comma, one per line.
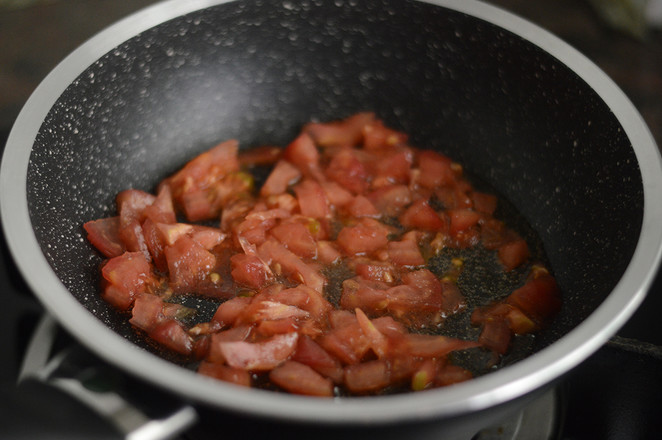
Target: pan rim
(480,393)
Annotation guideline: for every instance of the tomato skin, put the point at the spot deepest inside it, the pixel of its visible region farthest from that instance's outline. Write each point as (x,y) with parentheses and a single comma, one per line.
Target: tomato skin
(104,235)
(298,378)
(391,200)
(462,219)
(250,271)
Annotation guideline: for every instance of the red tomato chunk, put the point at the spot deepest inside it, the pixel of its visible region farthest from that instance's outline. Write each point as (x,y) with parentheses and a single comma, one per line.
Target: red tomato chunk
(348,197)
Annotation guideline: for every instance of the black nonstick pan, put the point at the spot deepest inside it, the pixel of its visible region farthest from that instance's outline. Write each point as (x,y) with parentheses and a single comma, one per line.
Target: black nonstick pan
(521,110)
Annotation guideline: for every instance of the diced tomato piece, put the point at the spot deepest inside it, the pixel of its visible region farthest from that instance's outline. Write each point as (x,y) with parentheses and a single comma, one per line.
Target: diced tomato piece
(206,236)
(104,235)
(347,342)
(451,374)
(281,177)
(513,254)
(360,206)
(327,253)
(435,169)
(297,238)
(227,374)
(131,205)
(147,312)
(312,199)
(347,170)
(483,202)
(262,155)
(495,335)
(493,233)
(378,342)
(310,353)
(377,136)
(259,356)
(301,379)
(162,209)
(365,294)
(126,277)
(303,153)
(250,271)
(345,133)
(235,334)
(414,306)
(155,244)
(305,298)
(405,253)
(228,312)
(188,264)
(519,323)
(367,377)
(452,299)
(170,233)
(392,169)
(391,200)
(420,215)
(272,251)
(436,346)
(336,194)
(172,335)
(462,219)
(365,237)
(539,298)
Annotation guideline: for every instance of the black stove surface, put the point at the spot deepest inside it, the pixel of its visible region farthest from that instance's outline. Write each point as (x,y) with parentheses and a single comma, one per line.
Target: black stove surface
(615,395)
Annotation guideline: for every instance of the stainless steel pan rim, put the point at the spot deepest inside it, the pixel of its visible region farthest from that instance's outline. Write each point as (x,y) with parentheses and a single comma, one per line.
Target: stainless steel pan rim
(481,393)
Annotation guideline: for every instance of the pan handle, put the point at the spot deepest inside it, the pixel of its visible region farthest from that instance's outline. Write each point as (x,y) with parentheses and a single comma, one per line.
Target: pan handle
(74,394)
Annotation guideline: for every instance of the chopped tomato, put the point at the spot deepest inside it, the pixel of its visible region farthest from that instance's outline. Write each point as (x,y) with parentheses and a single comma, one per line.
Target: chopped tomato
(297,238)
(104,235)
(513,254)
(420,215)
(173,336)
(365,237)
(377,136)
(298,378)
(227,374)
(262,155)
(303,153)
(345,133)
(435,169)
(310,353)
(347,170)
(125,277)
(367,377)
(312,199)
(188,264)
(539,298)
(259,356)
(319,274)
(281,177)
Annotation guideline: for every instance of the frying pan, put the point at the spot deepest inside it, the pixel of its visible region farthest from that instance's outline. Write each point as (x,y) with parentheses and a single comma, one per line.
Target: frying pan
(516,106)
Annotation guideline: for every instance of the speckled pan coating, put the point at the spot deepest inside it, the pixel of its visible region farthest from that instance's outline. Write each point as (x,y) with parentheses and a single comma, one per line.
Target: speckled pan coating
(541,128)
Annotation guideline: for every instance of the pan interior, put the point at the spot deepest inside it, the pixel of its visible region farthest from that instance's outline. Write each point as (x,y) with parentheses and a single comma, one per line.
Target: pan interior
(256,71)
